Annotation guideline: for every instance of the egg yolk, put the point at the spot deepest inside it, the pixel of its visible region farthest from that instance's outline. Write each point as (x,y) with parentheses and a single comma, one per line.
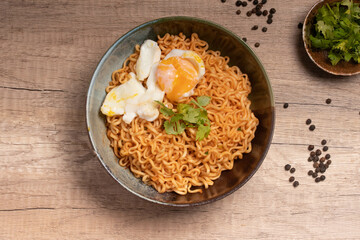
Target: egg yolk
(176,76)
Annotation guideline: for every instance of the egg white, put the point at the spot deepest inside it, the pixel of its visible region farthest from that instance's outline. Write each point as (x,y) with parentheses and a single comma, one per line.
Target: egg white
(149,55)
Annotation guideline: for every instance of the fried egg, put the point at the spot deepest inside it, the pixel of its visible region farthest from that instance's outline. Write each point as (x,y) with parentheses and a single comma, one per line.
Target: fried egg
(179,73)
(176,76)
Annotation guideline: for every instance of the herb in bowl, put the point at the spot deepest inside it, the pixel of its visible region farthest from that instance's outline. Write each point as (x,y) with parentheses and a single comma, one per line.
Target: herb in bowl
(188,116)
(337,30)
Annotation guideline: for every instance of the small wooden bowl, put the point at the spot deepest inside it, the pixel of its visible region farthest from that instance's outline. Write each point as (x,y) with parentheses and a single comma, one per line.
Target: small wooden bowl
(319,57)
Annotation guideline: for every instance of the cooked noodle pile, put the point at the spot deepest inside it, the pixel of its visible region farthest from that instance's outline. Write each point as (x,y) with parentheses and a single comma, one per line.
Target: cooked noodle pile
(179,163)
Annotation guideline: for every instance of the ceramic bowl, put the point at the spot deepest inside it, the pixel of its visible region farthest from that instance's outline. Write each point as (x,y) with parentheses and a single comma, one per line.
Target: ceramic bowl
(319,57)
(219,39)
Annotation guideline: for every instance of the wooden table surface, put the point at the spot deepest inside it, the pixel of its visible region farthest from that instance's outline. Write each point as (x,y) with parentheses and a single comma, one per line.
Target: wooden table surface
(53,187)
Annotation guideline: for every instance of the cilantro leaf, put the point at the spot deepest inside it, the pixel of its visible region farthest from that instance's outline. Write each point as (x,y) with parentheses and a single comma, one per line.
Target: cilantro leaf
(180,126)
(196,103)
(191,115)
(325,29)
(319,43)
(348,4)
(347,56)
(170,127)
(202,132)
(177,117)
(203,118)
(334,57)
(174,128)
(183,108)
(188,116)
(203,100)
(165,110)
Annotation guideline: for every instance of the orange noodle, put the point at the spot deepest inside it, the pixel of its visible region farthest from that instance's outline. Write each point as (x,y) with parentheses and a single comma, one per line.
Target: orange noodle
(179,163)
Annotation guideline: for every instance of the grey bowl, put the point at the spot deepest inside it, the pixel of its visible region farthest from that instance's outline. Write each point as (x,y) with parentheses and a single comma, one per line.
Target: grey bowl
(219,39)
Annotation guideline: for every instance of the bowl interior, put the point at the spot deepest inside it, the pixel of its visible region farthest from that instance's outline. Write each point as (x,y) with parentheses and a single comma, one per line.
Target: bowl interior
(218,39)
(319,57)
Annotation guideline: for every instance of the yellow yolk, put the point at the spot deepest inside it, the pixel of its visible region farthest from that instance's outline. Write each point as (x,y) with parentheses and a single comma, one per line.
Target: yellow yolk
(176,76)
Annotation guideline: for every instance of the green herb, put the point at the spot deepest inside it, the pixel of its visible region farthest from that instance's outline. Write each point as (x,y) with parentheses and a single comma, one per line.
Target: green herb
(239,129)
(164,110)
(188,116)
(337,29)
(206,153)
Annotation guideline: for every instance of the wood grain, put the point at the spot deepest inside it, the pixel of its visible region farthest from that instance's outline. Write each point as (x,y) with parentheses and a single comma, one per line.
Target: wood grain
(53,187)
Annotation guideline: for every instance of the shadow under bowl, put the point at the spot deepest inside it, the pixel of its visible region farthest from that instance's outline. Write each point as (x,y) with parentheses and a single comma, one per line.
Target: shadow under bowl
(219,39)
(320,57)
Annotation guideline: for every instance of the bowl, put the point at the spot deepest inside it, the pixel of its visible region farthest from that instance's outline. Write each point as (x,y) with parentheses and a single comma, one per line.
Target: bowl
(219,39)
(319,57)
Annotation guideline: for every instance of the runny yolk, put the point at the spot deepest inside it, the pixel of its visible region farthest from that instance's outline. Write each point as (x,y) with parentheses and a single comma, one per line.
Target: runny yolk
(176,76)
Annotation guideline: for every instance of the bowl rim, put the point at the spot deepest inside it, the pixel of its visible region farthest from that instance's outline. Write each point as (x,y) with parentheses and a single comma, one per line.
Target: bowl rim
(167,19)
(307,48)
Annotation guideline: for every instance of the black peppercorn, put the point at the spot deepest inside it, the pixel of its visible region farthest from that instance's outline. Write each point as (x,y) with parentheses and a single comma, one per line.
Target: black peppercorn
(257,44)
(287,167)
(264,29)
(318,152)
(269,21)
(272,10)
(255,27)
